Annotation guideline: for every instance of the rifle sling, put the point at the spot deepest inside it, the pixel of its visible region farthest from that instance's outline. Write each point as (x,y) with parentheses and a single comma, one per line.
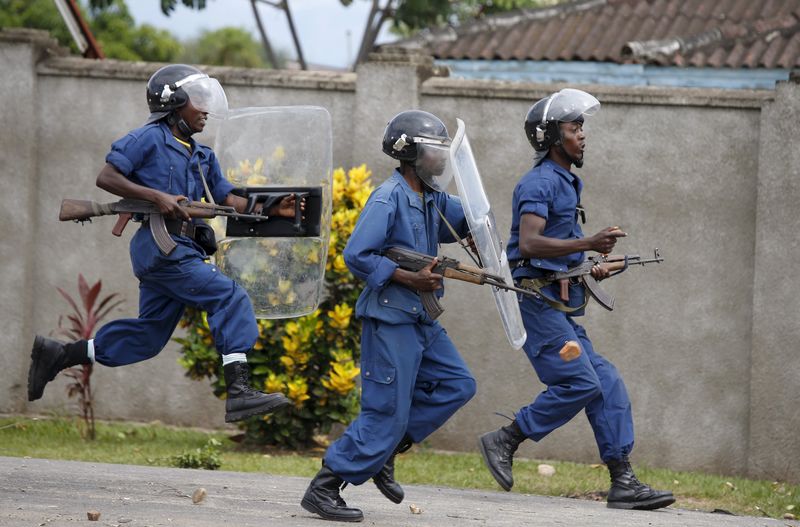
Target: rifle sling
(456,237)
(537,284)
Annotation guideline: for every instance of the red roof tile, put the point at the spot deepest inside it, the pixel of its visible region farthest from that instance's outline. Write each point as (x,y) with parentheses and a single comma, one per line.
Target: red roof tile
(707,33)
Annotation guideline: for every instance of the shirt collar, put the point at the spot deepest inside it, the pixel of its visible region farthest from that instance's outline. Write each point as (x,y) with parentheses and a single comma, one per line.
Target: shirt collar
(411,194)
(170,140)
(574,180)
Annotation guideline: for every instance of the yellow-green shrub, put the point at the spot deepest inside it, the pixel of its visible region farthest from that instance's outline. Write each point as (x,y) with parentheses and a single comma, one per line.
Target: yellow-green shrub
(314,359)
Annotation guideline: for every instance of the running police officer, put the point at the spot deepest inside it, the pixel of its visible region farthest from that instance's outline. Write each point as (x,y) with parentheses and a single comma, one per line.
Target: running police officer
(545,237)
(160,162)
(413,378)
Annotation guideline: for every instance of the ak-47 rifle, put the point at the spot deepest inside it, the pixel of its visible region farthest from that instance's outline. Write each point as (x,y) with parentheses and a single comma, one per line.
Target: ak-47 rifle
(449,268)
(84,210)
(583,273)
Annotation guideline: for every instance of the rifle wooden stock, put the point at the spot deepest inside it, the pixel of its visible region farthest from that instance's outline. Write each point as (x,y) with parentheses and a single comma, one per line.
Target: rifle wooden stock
(81,210)
(464,277)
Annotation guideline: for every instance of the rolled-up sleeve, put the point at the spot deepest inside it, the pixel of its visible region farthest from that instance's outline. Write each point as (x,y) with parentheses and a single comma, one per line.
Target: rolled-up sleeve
(535,196)
(126,154)
(362,252)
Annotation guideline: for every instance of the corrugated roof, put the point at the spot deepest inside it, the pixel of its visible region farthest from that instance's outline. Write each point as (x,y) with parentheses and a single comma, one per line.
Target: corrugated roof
(700,33)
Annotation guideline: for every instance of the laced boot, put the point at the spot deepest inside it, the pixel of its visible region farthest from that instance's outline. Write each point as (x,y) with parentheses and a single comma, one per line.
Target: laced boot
(627,492)
(243,401)
(384,479)
(498,449)
(322,497)
(48,357)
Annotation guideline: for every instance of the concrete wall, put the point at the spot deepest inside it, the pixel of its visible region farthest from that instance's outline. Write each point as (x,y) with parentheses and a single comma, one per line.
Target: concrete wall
(704,341)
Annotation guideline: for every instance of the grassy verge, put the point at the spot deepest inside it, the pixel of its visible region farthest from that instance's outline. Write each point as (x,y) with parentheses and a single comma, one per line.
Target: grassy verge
(157,445)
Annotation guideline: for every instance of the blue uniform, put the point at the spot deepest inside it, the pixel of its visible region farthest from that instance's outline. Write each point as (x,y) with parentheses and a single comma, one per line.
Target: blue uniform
(413,378)
(589,382)
(152,157)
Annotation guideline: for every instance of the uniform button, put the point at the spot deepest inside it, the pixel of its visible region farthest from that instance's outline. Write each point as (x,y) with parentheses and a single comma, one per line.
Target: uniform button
(366,374)
(385,300)
(414,308)
(388,379)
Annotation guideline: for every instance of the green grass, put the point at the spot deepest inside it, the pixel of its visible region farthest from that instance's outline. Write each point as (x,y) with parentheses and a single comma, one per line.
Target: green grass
(156,444)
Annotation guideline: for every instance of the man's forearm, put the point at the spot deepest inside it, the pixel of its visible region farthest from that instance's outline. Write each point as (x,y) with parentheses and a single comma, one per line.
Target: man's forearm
(112,181)
(538,246)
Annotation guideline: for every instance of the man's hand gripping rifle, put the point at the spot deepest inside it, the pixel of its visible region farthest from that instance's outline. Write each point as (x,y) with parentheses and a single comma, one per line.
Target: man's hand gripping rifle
(83,210)
(447,267)
(614,264)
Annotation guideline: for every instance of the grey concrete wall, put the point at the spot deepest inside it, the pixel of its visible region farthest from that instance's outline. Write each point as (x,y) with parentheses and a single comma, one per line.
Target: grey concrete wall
(680,334)
(704,341)
(775,379)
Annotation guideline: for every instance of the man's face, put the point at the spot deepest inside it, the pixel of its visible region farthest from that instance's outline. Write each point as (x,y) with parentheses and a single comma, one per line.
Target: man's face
(433,160)
(193,117)
(573,141)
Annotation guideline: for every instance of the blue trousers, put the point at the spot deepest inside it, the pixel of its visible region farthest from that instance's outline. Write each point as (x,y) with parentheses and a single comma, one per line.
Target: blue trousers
(589,383)
(413,380)
(164,292)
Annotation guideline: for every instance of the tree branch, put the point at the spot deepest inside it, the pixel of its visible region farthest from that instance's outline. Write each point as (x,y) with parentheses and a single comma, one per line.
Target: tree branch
(264,40)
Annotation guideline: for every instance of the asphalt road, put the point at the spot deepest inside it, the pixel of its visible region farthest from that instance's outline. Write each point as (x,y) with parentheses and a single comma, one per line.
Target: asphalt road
(40,492)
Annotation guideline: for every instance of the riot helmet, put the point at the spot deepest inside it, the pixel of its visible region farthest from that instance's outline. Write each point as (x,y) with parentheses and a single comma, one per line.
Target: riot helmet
(542,121)
(420,138)
(171,87)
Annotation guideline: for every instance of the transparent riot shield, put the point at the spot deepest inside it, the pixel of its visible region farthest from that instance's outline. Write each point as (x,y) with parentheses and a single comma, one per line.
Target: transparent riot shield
(268,153)
(484,231)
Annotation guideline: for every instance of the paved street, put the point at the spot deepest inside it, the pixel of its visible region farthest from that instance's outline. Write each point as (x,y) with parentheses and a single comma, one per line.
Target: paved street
(38,492)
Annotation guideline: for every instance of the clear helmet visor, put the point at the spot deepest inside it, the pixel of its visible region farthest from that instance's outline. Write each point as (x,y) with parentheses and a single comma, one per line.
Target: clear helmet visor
(570,104)
(433,165)
(206,94)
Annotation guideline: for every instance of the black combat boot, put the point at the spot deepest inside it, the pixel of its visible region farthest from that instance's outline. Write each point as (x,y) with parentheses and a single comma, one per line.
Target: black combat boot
(384,479)
(322,497)
(498,449)
(243,401)
(627,492)
(48,357)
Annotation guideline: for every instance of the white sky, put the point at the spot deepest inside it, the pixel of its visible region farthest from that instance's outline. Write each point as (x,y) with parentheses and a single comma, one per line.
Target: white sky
(322,25)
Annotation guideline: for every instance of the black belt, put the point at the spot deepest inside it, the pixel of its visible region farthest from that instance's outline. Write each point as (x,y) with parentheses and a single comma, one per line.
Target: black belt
(180,227)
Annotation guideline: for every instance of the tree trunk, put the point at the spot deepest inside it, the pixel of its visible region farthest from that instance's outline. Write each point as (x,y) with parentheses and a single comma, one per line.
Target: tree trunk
(372,29)
(288,11)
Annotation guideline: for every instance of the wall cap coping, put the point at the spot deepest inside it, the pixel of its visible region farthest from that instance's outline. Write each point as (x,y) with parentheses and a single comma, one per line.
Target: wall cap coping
(74,66)
(529,91)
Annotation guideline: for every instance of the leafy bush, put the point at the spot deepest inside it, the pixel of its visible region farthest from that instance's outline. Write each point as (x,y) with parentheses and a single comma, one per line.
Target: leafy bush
(206,457)
(313,360)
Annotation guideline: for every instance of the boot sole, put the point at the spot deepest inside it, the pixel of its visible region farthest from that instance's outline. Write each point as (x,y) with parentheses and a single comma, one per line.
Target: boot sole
(394,498)
(35,392)
(266,408)
(647,505)
(310,507)
(506,487)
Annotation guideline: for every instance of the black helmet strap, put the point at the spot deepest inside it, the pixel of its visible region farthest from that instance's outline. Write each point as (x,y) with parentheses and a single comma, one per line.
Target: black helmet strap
(175,119)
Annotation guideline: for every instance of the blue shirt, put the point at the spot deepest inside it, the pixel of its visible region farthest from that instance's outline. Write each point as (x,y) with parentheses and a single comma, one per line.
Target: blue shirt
(395,216)
(553,193)
(151,156)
